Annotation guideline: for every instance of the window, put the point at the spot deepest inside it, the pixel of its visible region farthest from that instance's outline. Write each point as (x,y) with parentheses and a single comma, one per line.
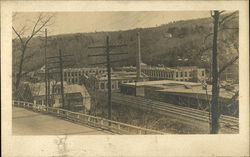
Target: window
(102,85)
(181,74)
(113,85)
(119,83)
(176,74)
(190,74)
(185,74)
(203,73)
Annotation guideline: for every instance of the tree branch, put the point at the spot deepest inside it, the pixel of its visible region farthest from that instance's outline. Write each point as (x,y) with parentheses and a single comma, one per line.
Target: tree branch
(228,64)
(34,31)
(18,35)
(227,17)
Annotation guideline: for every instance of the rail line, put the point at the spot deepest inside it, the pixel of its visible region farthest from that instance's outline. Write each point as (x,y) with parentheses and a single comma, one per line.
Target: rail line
(195,116)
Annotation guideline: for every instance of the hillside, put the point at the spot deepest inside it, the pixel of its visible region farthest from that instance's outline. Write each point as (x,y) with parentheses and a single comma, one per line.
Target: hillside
(156,46)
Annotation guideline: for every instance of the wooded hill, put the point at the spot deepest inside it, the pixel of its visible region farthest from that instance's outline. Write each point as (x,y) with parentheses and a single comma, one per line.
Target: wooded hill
(187,42)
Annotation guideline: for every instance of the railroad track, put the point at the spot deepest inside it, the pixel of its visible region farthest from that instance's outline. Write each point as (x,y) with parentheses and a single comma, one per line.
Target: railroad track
(183,113)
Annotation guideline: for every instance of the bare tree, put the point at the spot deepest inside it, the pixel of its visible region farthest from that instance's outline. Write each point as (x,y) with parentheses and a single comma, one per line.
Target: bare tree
(218,25)
(42,21)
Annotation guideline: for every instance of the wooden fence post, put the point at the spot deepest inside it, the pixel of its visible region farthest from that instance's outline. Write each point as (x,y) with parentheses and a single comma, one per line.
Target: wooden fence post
(139,131)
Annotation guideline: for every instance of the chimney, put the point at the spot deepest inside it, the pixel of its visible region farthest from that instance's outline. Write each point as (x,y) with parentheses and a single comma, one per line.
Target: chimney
(138,58)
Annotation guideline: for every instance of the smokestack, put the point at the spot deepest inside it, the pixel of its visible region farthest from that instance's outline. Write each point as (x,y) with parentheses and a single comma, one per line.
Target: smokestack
(138,58)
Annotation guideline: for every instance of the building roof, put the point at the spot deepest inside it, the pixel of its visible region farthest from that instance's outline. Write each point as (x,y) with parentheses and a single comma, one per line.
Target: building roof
(38,89)
(197,90)
(118,75)
(180,87)
(84,68)
(144,66)
(75,88)
(162,82)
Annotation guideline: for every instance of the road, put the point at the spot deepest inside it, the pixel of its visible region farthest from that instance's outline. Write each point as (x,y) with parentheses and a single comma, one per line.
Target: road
(25,122)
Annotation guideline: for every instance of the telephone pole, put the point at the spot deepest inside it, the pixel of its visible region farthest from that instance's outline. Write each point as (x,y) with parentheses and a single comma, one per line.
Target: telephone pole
(61,77)
(60,62)
(45,70)
(109,80)
(138,58)
(215,75)
(108,64)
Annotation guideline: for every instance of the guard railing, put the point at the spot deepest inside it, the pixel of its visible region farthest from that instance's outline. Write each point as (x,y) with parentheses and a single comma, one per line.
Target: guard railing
(114,126)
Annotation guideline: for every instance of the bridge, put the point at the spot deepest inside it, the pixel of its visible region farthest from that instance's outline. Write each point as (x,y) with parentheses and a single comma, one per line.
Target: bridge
(33,119)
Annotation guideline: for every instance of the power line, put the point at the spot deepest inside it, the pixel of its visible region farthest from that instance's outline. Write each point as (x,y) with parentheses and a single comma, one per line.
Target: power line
(108,64)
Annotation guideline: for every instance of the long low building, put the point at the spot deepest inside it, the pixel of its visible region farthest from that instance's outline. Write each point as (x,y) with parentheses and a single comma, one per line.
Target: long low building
(181,93)
(180,73)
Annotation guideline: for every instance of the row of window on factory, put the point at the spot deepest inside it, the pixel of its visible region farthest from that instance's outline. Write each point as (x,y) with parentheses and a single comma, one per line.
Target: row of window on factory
(72,73)
(114,85)
(166,74)
(72,80)
(156,73)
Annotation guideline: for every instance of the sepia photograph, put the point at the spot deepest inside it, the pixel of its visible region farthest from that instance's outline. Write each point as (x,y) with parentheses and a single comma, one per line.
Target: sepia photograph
(171,72)
(125,78)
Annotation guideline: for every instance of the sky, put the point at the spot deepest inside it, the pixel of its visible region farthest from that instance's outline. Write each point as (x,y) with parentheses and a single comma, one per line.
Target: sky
(78,22)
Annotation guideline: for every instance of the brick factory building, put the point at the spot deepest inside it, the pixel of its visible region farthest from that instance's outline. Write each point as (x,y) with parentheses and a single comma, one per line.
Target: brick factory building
(180,73)
(74,75)
(100,82)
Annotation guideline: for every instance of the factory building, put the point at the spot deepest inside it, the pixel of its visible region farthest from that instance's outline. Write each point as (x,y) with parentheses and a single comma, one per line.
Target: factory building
(100,82)
(74,75)
(180,73)
(181,93)
(77,97)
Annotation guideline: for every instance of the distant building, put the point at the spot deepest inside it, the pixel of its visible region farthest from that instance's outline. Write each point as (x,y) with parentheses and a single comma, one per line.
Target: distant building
(76,96)
(70,75)
(181,93)
(74,75)
(180,73)
(100,82)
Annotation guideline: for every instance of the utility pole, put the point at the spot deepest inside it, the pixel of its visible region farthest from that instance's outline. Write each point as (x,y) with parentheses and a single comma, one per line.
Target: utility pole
(108,63)
(61,77)
(48,77)
(215,87)
(138,58)
(45,70)
(60,62)
(109,81)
